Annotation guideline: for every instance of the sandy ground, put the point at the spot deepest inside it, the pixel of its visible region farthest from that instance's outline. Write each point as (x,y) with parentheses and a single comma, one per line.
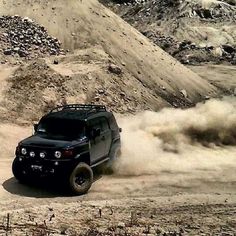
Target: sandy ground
(191,192)
(152,202)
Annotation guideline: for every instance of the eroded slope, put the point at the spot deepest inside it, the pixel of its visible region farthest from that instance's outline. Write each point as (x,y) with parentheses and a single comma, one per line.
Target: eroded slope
(82,24)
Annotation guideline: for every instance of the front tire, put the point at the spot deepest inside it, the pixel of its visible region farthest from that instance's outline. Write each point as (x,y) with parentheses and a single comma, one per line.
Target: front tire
(19,173)
(81,179)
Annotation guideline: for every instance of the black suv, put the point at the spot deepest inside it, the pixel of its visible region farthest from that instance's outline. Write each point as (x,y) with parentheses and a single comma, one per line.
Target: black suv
(69,142)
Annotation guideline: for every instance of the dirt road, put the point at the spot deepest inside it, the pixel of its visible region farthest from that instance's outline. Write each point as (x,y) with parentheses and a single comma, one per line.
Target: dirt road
(191,192)
(189,205)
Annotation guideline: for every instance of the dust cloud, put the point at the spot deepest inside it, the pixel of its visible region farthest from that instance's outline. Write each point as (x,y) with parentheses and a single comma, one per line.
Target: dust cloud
(196,140)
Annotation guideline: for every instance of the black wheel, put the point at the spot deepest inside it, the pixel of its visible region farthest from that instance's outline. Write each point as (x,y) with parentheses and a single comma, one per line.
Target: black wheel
(19,173)
(114,155)
(81,179)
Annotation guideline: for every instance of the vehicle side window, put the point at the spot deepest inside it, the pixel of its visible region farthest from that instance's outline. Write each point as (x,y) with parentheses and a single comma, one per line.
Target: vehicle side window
(104,124)
(101,123)
(94,124)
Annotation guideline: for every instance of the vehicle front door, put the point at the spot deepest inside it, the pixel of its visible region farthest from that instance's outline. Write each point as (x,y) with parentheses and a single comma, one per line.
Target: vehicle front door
(98,143)
(106,135)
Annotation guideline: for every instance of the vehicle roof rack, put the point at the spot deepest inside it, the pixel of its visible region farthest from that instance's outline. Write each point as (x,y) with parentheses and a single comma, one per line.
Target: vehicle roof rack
(80,107)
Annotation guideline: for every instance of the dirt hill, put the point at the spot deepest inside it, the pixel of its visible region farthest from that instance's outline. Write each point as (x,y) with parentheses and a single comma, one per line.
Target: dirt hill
(86,77)
(194,31)
(145,75)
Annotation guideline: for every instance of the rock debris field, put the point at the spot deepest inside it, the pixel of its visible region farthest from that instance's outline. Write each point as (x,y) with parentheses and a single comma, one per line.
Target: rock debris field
(193,32)
(22,37)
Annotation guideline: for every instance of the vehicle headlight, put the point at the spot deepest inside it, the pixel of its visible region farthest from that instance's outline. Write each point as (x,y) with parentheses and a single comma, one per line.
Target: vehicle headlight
(42,154)
(23,151)
(32,154)
(57,154)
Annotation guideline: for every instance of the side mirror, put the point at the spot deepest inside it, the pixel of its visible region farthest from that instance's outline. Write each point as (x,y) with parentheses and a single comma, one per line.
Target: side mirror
(120,130)
(36,127)
(95,132)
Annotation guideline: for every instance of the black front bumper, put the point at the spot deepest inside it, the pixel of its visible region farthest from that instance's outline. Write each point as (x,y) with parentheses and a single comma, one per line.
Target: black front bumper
(47,167)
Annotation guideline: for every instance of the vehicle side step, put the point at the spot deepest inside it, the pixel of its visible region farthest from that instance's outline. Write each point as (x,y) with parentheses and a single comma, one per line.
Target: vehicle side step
(100,162)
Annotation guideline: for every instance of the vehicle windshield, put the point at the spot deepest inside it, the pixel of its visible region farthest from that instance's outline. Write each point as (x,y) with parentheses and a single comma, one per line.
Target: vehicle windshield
(61,128)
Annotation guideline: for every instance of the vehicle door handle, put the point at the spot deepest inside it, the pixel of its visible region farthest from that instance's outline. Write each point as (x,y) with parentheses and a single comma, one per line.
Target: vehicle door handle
(103,138)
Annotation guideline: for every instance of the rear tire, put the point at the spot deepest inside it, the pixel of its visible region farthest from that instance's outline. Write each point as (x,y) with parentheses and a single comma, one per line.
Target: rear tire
(81,179)
(19,173)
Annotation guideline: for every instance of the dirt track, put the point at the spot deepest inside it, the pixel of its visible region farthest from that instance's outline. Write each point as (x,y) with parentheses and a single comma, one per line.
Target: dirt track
(197,199)
(192,207)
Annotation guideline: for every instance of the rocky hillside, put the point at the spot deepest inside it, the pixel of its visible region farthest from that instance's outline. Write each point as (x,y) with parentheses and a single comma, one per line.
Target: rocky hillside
(194,32)
(127,73)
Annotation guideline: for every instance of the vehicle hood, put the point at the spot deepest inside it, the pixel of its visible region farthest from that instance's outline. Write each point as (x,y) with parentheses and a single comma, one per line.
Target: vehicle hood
(46,142)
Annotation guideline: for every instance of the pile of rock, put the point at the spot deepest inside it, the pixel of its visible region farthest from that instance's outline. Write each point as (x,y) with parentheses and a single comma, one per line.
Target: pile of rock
(127,2)
(189,52)
(167,43)
(164,22)
(24,38)
(218,11)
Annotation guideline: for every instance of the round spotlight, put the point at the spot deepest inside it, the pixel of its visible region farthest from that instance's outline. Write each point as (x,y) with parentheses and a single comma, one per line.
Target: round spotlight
(42,155)
(32,154)
(58,154)
(23,151)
